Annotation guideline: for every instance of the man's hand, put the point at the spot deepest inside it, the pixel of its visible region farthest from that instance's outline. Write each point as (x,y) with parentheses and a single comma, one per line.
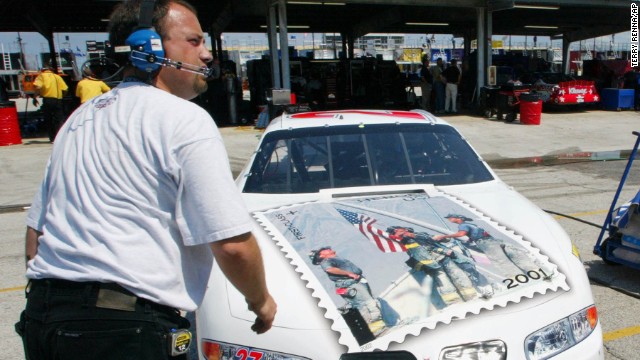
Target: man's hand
(31,243)
(266,312)
(438,237)
(240,260)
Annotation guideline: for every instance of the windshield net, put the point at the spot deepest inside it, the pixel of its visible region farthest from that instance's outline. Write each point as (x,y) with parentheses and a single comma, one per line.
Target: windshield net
(307,160)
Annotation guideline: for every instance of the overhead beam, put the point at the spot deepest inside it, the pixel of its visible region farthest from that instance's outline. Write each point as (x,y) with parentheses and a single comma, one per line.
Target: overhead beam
(498,5)
(595,31)
(377,21)
(223,19)
(448,3)
(611,3)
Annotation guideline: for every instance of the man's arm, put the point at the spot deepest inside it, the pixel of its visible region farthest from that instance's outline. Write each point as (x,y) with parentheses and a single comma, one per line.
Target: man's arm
(240,260)
(31,243)
(63,85)
(338,271)
(458,234)
(37,84)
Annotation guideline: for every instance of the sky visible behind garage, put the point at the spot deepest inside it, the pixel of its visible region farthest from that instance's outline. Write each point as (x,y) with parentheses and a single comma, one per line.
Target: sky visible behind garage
(34,43)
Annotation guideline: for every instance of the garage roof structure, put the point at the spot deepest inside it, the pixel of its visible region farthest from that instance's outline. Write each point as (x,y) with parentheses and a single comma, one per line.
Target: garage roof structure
(576,19)
(570,20)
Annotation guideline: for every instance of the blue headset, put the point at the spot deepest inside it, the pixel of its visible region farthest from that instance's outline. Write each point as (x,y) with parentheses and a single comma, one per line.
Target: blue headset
(147,52)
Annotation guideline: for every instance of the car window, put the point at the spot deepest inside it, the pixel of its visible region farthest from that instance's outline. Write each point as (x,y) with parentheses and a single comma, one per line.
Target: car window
(307,160)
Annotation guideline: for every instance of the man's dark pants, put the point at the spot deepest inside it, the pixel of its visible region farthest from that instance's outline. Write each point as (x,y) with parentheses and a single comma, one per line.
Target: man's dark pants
(64,320)
(53,116)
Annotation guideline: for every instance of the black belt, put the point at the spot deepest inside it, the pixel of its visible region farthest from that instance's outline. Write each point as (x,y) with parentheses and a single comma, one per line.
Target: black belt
(109,295)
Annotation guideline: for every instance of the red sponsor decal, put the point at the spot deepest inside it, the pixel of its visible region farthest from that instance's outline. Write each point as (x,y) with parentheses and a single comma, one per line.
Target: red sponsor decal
(329,114)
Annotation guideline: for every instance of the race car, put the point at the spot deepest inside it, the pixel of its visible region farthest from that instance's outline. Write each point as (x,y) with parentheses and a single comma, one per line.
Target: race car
(385,235)
(560,89)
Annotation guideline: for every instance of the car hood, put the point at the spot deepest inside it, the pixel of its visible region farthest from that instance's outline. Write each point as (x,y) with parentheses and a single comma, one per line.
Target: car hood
(357,224)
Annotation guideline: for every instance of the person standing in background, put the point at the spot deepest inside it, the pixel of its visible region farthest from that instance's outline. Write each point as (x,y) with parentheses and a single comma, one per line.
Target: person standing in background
(52,88)
(90,87)
(452,76)
(426,83)
(438,85)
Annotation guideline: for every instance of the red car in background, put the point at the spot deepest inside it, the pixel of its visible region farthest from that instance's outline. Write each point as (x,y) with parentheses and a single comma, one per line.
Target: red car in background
(560,89)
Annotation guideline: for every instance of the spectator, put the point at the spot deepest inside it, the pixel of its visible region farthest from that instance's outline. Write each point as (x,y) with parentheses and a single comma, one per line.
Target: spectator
(52,88)
(90,87)
(426,83)
(439,85)
(452,76)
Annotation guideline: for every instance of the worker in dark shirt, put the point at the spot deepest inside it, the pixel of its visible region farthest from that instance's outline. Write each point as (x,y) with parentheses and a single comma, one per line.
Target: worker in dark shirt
(453,75)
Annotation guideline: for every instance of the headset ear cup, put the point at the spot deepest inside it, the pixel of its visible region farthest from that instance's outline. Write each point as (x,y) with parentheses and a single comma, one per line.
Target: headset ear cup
(147,52)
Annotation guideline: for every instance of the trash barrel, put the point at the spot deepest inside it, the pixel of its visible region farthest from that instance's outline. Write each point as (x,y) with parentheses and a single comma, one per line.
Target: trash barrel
(9,126)
(530,109)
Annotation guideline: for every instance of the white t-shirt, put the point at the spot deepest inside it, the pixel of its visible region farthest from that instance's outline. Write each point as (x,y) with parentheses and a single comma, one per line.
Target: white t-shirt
(137,185)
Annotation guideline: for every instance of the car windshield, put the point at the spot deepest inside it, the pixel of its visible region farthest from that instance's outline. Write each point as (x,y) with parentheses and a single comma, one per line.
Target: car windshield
(310,159)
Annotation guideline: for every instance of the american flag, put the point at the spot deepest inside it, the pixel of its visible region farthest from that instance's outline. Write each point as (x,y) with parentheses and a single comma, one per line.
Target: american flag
(378,237)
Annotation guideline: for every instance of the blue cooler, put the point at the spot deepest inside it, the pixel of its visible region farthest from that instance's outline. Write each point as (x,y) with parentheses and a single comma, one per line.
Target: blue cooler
(617,99)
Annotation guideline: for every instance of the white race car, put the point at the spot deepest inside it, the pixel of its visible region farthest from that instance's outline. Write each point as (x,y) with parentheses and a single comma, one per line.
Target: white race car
(386,236)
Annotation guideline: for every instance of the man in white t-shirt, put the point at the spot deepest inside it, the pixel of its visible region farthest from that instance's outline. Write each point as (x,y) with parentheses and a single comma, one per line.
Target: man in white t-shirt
(136,203)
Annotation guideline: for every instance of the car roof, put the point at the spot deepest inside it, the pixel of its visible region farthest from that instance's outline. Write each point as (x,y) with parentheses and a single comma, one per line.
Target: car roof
(351,117)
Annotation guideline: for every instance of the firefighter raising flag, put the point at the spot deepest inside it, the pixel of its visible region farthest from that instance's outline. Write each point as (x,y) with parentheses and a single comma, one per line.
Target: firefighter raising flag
(378,237)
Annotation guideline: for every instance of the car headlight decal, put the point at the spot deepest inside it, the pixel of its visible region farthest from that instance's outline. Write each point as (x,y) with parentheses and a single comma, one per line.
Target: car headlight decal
(583,323)
(484,350)
(561,335)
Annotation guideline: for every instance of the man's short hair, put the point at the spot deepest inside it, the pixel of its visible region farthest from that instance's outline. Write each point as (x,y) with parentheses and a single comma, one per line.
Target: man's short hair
(87,72)
(458,216)
(314,255)
(124,20)
(392,229)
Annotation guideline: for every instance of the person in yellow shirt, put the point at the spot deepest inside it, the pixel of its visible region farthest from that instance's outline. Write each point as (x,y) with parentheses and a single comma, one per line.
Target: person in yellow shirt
(52,88)
(90,87)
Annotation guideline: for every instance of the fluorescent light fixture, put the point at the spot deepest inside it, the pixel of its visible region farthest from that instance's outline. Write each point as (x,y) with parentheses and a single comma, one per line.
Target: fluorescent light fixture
(426,24)
(289,26)
(314,3)
(104,20)
(538,7)
(540,27)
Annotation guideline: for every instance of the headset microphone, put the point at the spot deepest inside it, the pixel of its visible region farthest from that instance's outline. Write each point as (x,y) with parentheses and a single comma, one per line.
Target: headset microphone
(157,61)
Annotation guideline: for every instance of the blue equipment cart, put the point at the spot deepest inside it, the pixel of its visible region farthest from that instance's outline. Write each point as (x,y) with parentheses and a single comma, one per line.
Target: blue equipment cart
(622,245)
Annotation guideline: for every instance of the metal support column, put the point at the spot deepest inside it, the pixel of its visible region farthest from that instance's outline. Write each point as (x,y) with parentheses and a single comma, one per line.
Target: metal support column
(566,53)
(284,44)
(345,48)
(214,44)
(480,80)
(273,48)
(489,36)
(52,52)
